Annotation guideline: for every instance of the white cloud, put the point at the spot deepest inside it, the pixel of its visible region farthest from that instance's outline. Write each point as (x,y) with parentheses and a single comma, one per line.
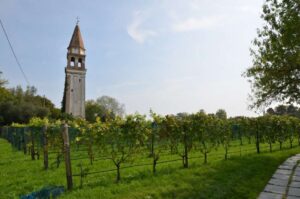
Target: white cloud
(195,4)
(248,9)
(196,24)
(136,32)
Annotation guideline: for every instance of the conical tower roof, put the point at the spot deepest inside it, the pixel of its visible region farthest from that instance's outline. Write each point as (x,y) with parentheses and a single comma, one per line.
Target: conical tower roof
(76,41)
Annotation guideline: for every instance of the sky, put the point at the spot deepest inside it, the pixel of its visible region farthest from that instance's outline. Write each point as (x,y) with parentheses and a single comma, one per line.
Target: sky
(168,55)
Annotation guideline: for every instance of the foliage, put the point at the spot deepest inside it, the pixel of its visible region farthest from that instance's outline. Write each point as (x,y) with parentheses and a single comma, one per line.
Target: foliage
(275,72)
(18,105)
(2,81)
(104,107)
(225,135)
(197,181)
(221,114)
(63,102)
(157,139)
(289,110)
(122,140)
(38,122)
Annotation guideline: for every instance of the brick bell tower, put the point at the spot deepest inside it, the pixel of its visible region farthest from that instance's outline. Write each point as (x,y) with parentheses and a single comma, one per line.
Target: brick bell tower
(74,93)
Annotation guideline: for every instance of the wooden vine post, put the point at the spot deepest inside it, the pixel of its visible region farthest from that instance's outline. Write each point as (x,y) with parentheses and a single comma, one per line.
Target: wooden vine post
(186,164)
(257,137)
(24,141)
(67,156)
(45,147)
(32,151)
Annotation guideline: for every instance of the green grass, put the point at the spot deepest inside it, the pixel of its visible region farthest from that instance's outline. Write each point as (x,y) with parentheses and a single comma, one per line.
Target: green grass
(239,177)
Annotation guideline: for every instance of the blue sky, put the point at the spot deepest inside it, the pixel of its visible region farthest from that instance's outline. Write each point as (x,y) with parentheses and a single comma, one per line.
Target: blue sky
(168,55)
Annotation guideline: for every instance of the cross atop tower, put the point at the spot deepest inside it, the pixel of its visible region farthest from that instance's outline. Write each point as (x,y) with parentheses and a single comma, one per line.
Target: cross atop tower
(77,20)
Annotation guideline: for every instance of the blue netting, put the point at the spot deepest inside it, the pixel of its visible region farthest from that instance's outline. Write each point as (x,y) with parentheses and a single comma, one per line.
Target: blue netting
(45,193)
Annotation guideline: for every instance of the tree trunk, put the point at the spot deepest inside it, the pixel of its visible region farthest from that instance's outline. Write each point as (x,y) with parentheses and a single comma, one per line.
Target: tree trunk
(186,156)
(226,152)
(154,165)
(152,146)
(29,150)
(118,173)
(81,176)
(90,151)
(32,147)
(257,141)
(183,161)
(257,148)
(91,159)
(240,150)
(186,162)
(25,149)
(205,157)
(57,160)
(19,143)
(280,145)
(45,147)
(24,143)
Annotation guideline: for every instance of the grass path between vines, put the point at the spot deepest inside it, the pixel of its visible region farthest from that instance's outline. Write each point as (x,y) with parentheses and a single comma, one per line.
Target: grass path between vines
(239,177)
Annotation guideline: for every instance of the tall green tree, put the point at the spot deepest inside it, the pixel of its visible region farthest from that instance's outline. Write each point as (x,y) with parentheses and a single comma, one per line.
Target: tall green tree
(275,73)
(18,105)
(104,107)
(93,110)
(2,81)
(221,114)
(111,105)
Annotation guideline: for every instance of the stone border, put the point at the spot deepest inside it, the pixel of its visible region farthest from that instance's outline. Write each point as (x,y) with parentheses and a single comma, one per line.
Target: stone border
(285,182)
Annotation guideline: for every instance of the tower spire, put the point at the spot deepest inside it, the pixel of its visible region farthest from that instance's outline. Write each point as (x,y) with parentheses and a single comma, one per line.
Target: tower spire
(76,40)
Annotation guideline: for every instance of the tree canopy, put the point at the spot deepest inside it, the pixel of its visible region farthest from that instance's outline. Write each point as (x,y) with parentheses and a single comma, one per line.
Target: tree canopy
(2,81)
(18,105)
(104,107)
(221,114)
(289,110)
(275,73)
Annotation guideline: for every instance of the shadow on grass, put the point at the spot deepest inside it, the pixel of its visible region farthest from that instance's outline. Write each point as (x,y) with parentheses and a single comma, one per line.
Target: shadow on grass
(240,177)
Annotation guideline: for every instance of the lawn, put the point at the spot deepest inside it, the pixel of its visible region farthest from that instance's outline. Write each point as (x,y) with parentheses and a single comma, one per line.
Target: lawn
(239,177)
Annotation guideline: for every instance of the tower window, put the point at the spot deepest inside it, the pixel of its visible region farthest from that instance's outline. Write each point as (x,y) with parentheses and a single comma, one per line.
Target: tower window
(72,63)
(79,80)
(79,62)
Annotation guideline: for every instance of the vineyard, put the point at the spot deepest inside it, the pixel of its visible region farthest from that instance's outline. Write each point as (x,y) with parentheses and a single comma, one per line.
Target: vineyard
(94,152)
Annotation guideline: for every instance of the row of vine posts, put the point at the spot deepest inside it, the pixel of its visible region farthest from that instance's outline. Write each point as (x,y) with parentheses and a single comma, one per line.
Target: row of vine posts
(262,129)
